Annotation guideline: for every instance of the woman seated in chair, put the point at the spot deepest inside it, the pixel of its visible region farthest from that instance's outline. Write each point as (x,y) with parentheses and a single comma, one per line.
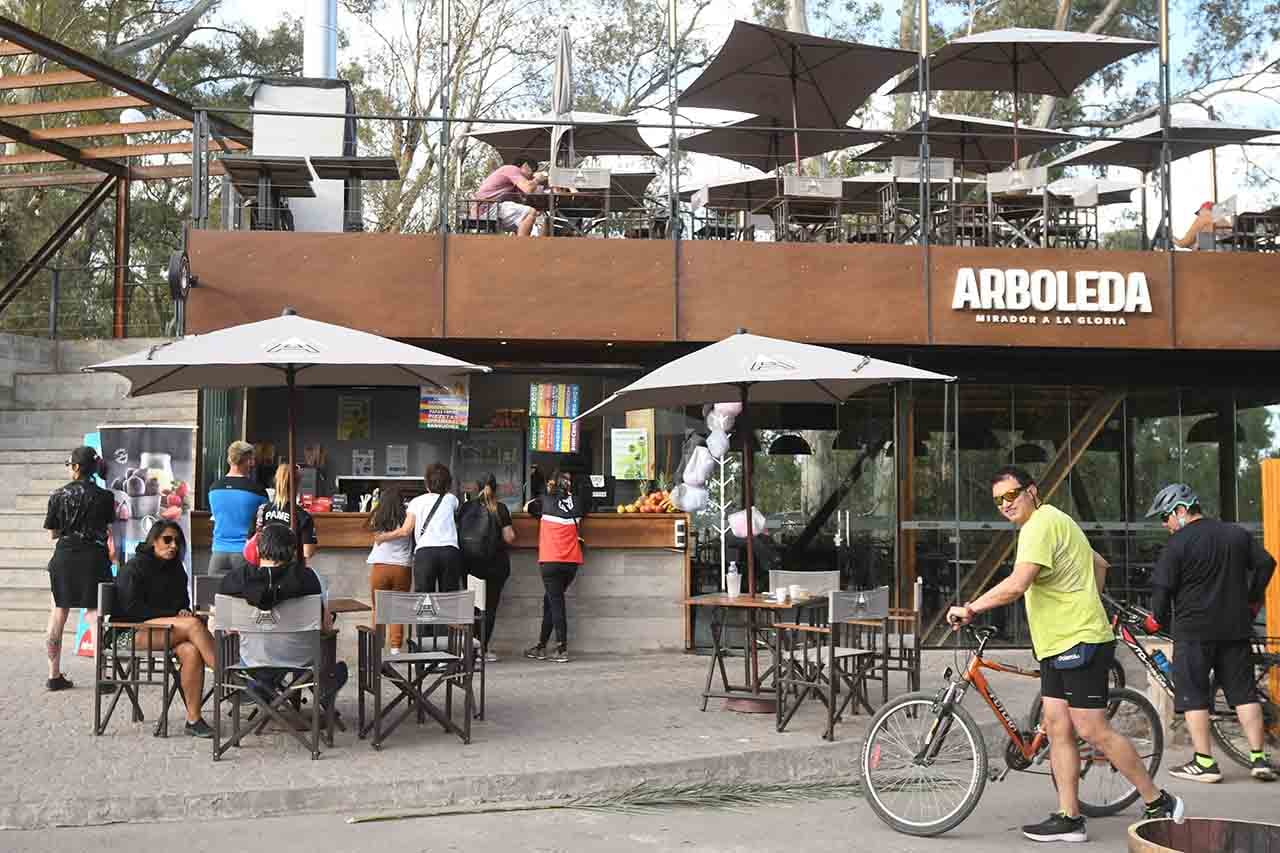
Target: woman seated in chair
(152,589)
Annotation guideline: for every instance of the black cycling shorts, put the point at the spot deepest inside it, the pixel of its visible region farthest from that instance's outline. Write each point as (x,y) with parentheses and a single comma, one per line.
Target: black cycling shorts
(1086,687)
(1199,667)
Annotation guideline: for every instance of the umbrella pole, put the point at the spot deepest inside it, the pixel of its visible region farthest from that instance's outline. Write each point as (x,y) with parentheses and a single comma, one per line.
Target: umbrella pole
(1143,237)
(290,377)
(1015,108)
(746,500)
(795,116)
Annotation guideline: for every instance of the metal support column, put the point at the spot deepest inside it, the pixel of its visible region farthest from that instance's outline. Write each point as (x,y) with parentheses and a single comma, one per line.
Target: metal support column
(55,285)
(673,167)
(119,301)
(200,170)
(1166,177)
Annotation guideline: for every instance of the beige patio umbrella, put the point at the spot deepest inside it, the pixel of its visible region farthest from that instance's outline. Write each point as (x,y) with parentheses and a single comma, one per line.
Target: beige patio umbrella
(810,80)
(760,141)
(1021,59)
(287,350)
(594,134)
(979,145)
(752,368)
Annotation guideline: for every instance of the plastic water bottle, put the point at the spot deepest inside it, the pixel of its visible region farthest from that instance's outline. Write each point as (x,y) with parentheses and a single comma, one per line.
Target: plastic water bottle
(1162,662)
(733,580)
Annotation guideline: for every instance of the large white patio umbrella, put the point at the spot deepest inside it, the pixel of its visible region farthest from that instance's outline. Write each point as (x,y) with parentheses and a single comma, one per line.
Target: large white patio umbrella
(750,368)
(289,351)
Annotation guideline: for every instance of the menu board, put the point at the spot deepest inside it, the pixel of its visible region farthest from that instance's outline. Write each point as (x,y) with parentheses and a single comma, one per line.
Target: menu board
(553,400)
(446,409)
(553,435)
(552,408)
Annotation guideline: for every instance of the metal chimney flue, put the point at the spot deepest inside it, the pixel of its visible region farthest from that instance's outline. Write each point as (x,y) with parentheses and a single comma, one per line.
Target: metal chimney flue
(320,39)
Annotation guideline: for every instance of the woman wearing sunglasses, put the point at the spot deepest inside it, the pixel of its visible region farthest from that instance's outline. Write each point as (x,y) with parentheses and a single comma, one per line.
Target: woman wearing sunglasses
(152,589)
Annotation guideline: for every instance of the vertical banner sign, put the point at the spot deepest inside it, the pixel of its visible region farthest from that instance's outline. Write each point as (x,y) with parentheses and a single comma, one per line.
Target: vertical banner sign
(448,409)
(150,469)
(552,408)
(629,454)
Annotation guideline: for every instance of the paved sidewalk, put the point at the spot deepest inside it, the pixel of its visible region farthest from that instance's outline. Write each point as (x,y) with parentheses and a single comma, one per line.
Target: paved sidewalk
(552,731)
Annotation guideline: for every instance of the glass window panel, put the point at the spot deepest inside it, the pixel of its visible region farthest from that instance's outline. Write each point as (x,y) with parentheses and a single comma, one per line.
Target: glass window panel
(1258,421)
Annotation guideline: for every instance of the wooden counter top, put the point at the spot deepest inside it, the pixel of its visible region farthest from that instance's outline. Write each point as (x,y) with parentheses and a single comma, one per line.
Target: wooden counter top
(601,530)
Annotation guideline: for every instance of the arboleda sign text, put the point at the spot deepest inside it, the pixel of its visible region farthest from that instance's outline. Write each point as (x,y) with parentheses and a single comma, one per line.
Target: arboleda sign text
(1051,297)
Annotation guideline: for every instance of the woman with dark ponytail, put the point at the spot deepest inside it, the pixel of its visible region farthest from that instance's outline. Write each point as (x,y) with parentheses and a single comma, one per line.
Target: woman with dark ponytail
(79,520)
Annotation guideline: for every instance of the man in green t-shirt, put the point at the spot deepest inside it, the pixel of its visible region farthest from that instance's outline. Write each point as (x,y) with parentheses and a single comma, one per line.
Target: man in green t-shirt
(1060,575)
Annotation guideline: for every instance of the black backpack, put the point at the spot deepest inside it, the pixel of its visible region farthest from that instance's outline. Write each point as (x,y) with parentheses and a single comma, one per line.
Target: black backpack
(478,533)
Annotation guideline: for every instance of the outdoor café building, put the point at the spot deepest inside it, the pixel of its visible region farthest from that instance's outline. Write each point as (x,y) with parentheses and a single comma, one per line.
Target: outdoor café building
(1105,373)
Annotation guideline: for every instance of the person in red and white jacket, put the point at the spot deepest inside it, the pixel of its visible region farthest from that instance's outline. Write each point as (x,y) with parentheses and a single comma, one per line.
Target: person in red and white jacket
(560,513)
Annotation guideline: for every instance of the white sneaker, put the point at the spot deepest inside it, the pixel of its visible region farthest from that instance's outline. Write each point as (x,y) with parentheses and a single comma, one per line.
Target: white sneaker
(490,658)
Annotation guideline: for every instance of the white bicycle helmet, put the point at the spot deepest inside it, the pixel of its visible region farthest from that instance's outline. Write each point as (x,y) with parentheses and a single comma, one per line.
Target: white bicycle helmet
(1170,498)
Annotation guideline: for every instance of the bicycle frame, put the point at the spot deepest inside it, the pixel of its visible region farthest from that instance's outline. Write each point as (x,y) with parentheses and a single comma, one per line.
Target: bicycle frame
(1126,636)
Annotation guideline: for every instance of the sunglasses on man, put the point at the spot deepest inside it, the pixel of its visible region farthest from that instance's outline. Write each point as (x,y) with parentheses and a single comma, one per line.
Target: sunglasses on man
(1009,496)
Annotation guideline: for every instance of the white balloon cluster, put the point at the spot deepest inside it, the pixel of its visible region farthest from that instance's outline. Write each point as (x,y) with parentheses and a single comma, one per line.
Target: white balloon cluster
(691,495)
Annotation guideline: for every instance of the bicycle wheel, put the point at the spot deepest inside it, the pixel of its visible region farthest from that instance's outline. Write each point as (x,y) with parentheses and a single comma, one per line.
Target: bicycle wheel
(923,797)
(1103,790)
(1227,732)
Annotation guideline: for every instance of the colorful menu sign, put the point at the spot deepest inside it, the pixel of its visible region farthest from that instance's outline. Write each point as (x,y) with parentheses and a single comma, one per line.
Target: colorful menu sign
(553,400)
(553,435)
(552,408)
(447,409)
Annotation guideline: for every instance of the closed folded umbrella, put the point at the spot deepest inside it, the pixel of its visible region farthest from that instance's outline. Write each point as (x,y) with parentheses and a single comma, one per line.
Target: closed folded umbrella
(760,141)
(594,135)
(562,94)
(808,80)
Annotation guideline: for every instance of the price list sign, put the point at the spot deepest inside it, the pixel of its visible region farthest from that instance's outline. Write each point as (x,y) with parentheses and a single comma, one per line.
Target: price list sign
(552,408)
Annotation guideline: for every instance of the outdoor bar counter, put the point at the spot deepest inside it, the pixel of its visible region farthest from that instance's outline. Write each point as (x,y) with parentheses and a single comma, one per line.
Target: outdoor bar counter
(627,596)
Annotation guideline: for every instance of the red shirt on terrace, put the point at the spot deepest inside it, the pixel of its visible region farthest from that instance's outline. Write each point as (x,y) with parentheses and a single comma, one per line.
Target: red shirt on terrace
(558,528)
(501,184)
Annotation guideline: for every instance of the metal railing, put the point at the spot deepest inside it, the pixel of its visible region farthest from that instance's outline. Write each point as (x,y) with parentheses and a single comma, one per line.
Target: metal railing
(72,303)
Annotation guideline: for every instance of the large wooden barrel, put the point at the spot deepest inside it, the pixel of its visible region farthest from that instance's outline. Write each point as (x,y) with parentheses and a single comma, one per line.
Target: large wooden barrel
(1204,835)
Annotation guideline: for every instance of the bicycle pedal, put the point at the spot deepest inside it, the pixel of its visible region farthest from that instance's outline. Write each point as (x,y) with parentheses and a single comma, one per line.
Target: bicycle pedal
(997,774)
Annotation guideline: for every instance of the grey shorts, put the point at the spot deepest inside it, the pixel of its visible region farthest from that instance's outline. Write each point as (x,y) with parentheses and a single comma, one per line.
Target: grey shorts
(221,562)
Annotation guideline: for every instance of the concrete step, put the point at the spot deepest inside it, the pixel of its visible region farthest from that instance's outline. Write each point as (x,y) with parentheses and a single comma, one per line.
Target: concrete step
(36,622)
(31,504)
(60,442)
(33,457)
(38,486)
(84,391)
(27,598)
(13,475)
(25,558)
(13,520)
(24,579)
(74,355)
(36,538)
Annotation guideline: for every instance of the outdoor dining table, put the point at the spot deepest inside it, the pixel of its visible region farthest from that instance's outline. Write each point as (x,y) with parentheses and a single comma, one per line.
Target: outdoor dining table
(348,605)
(758,613)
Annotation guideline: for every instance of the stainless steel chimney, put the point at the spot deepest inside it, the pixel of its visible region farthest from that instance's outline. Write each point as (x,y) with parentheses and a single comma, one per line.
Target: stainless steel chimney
(320,39)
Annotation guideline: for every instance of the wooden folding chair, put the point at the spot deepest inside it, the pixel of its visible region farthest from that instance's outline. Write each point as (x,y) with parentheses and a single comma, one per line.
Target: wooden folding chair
(418,673)
(822,661)
(478,587)
(272,657)
(122,668)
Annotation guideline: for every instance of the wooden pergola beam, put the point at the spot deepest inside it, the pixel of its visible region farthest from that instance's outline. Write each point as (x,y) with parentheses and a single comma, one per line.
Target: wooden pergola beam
(63,151)
(108,152)
(78,177)
(73,105)
(36,81)
(87,131)
(8,48)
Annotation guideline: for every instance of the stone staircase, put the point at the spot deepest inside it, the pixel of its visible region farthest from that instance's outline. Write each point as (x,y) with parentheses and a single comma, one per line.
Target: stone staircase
(46,407)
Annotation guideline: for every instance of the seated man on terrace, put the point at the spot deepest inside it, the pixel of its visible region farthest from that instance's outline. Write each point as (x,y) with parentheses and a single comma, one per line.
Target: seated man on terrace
(1202,222)
(506,183)
(282,576)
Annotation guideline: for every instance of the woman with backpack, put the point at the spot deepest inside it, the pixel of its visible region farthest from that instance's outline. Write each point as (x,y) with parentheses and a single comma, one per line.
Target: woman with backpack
(390,561)
(560,514)
(486,535)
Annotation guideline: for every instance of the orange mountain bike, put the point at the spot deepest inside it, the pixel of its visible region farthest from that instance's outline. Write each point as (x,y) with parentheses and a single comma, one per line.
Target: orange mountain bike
(925,763)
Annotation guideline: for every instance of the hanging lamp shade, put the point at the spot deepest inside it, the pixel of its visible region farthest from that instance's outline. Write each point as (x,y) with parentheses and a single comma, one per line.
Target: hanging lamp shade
(790,444)
(1029,453)
(1208,430)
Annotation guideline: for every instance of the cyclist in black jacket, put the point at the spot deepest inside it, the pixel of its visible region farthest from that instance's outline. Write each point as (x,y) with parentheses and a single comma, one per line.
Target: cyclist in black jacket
(1214,575)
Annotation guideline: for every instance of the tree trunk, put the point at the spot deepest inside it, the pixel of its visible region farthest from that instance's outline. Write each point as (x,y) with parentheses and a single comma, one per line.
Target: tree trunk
(797,16)
(907,22)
